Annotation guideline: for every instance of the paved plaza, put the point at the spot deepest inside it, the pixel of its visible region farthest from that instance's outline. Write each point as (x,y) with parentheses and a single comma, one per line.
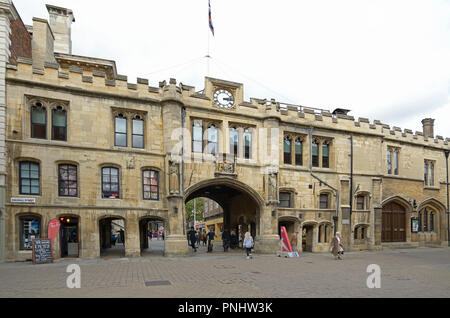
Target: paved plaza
(421,272)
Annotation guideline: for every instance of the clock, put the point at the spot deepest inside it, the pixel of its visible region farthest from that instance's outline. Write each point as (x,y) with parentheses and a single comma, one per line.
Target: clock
(224,98)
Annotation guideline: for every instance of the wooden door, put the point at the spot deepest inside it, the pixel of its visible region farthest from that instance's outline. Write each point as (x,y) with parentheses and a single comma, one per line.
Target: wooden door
(393,223)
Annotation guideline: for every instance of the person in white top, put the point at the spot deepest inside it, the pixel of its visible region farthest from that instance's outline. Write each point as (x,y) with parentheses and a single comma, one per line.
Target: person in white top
(248,244)
(336,246)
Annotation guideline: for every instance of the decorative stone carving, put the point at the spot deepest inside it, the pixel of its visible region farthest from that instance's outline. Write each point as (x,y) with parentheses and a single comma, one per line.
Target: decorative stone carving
(225,166)
(174,172)
(273,186)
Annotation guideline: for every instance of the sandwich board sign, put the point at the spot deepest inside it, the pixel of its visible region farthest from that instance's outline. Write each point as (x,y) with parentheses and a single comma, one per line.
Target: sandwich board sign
(42,251)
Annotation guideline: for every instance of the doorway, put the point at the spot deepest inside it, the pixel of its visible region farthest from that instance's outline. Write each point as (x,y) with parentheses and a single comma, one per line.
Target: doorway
(112,237)
(393,223)
(307,238)
(152,236)
(69,237)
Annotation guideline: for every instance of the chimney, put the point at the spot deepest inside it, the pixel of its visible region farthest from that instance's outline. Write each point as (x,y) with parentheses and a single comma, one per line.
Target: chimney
(42,45)
(428,127)
(61,23)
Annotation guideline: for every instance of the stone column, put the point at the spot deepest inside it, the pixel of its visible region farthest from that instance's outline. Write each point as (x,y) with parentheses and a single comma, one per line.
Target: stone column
(7,13)
(375,214)
(132,246)
(175,243)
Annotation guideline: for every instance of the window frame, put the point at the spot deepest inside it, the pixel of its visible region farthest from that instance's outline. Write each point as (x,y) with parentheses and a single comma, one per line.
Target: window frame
(110,183)
(211,128)
(298,157)
(325,163)
(62,110)
(120,116)
(150,185)
(315,159)
(60,181)
(327,195)
(289,195)
(44,109)
(197,124)
(29,178)
(27,218)
(137,118)
(233,145)
(247,149)
(287,155)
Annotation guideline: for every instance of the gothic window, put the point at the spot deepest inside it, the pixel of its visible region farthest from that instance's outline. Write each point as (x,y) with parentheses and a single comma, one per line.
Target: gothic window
(38,121)
(67,181)
(150,184)
(287,151)
(59,124)
(120,131)
(138,133)
(110,183)
(431,174)
(298,153)
(425,175)
(247,144)
(315,153)
(319,238)
(29,229)
(212,140)
(425,221)
(420,222)
(197,137)
(325,155)
(29,178)
(361,202)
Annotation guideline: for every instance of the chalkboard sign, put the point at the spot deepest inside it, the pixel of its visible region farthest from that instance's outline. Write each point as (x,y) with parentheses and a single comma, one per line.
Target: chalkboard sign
(42,251)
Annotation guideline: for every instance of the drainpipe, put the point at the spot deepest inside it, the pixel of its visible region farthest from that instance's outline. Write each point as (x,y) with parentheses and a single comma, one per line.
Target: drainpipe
(183,119)
(335,218)
(447,152)
(351,185)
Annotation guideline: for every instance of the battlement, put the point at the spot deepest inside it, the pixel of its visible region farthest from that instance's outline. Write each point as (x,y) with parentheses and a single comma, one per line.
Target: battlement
(99,81)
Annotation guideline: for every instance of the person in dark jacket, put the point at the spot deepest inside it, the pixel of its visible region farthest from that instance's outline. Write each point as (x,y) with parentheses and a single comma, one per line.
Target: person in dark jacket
(211,236)
(226,238)
(193,238)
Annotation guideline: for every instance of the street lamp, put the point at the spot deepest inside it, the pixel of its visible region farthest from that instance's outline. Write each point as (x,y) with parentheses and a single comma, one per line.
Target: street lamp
(447,152)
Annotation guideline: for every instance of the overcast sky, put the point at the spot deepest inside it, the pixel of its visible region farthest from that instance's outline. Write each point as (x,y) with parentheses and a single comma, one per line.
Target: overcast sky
(383,59)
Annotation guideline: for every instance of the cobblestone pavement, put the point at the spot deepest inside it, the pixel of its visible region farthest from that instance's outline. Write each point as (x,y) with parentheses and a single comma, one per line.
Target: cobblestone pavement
(421,272)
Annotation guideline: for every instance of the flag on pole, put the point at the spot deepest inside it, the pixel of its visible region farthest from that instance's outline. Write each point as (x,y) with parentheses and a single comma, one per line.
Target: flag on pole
(210,19)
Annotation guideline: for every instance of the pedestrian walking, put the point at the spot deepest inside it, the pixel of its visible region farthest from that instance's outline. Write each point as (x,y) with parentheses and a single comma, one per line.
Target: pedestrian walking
(248,244)
(211,236)
(192,238)
(336,247)
(204,238)
(294,241)
(226,239)
(198,239)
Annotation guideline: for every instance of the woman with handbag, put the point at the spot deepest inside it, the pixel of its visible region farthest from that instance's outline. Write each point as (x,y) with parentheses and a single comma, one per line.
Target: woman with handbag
(336,246)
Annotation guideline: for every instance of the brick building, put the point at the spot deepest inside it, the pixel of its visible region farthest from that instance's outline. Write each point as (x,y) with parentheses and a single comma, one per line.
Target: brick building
(80,143)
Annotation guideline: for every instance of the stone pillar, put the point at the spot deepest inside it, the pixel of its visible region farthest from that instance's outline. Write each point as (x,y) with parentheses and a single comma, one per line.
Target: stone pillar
(132,246)
(7,13)
(345,227)
(176,242)
(375,214)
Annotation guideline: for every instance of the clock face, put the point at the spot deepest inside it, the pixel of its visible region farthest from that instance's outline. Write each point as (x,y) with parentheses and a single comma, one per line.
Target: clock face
(224,98)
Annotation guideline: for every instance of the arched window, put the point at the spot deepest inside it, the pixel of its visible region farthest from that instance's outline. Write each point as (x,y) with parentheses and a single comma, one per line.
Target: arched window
(389,161)
(425,221)
(120,131)
(431,174)
(325,155)
(197,137)
(212,140)
(67,180)
(234,142)
(325,234)
(315,153)
(425,174)
(247,144)
(110,183)
(355,233)
(38,121)
(298,152)
(150,179)
(287,151)
(59,124)
(319,238)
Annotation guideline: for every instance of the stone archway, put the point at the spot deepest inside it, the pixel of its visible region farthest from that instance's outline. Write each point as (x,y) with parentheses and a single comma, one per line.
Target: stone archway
(243,207)
(292,225)
(152,234)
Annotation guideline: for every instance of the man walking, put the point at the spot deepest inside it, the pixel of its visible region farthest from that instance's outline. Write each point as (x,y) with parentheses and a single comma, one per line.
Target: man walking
(211,236)
(193,238)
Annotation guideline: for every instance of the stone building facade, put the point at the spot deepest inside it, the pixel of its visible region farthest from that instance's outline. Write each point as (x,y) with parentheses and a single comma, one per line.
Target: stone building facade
(86,147)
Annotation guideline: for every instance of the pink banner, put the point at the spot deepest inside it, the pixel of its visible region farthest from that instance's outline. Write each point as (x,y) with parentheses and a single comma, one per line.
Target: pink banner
(53,228)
